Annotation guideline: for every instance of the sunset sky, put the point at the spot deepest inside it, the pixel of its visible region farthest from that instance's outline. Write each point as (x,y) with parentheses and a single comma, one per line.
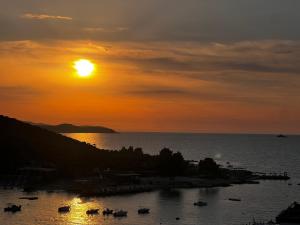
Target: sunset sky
(161,65)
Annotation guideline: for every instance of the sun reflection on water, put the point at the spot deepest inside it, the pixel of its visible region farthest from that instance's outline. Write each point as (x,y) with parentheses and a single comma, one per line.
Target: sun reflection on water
(91,138)
(78,210)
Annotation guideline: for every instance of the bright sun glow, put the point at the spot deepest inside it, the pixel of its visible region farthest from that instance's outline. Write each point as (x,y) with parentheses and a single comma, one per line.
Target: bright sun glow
(84,67)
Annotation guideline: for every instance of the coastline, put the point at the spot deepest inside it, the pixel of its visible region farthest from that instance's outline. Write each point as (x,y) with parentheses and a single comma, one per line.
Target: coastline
(89,187)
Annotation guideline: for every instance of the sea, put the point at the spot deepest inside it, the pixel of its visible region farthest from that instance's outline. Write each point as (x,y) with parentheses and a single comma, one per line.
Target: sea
(259,202)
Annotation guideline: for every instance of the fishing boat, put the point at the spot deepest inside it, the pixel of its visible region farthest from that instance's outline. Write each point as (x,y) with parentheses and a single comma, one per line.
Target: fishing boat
(200,203)
(120,213)
(92,211)
(107,211)
(143,211)
(64,209)
(29,198)
(13,208)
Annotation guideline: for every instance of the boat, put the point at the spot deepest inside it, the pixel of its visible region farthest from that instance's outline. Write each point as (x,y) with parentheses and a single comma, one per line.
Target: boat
(120,213)
(290,215)
(29,198)
(107,211)
(234,199)
(92,211)
(281,136)
(13,208)
(271,222)
(200,203)
(143,211)
(64,209)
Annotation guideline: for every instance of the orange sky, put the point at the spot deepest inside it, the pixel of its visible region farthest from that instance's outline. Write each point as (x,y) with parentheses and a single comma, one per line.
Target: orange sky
(132,91)
(200,66)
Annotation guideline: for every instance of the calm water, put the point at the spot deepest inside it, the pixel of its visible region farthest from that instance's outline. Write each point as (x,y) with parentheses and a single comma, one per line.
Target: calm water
(256,152)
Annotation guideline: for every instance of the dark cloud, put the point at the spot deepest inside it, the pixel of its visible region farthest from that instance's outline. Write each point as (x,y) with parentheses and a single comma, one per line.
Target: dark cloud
(173,64)
(258,67)
(204,95)
(158,91)
(16,93)
(202,63)
(156,20)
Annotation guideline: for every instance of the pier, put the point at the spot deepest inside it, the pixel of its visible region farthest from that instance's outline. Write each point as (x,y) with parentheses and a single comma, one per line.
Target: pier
(272,176)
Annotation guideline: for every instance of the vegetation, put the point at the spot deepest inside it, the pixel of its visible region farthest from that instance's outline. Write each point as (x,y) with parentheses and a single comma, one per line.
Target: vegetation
(209,168)
(23,144)
(171,164)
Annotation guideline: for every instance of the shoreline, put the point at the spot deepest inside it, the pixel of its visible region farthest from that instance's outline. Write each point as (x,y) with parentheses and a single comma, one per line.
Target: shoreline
(132,183)
(88,188)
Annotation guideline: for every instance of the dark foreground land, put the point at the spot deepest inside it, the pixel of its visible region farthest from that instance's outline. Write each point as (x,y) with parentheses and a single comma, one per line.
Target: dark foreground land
(35,158)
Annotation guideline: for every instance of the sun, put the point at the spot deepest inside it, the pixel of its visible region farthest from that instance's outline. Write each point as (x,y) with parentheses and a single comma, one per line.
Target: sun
(84,67)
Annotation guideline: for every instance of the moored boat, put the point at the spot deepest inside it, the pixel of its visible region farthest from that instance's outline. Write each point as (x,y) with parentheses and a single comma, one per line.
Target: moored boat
(120,213)
(200,203)
(13,208)
(92,211)
(29,198)
(107,211)
(143,211)
(64,209)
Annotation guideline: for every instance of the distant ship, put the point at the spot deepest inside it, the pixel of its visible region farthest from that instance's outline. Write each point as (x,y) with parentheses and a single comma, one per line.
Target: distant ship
(281,136)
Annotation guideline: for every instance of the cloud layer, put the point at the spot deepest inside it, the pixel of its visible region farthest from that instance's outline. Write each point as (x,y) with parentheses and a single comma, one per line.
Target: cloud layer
(44,17)
(168,20)
(219,64)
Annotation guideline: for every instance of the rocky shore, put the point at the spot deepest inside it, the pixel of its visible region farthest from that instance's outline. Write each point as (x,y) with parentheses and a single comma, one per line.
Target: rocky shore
(91,187)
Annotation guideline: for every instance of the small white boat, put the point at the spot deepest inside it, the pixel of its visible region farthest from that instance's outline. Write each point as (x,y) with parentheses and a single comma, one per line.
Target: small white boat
(200,203)
(120,213)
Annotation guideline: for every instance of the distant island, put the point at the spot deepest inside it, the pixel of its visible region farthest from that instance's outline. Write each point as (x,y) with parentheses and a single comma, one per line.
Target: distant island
(70,128)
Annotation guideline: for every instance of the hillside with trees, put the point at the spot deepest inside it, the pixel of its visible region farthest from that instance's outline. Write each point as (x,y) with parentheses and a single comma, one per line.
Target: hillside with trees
(23,144)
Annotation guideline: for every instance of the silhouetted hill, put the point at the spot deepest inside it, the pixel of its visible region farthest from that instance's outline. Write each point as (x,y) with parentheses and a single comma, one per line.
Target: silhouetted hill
(23,144)
(70,128)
